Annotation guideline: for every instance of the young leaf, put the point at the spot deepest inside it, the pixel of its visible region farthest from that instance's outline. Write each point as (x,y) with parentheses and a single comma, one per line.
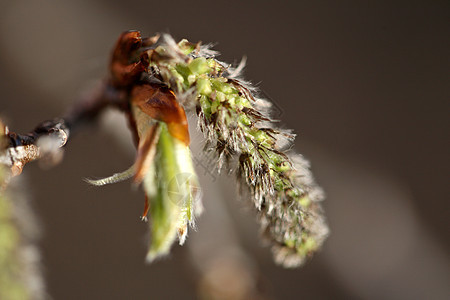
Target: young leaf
(171,186)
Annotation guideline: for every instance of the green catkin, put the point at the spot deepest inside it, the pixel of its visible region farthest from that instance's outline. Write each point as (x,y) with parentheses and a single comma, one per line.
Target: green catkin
(236,127)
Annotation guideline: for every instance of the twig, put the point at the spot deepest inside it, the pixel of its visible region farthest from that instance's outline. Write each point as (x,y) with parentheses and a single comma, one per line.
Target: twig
(47,139)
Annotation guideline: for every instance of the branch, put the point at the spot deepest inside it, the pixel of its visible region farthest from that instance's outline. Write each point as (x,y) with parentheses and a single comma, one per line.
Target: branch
(47,139)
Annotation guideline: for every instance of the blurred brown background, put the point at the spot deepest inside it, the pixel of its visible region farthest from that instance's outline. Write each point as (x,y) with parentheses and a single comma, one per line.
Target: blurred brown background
(363,83)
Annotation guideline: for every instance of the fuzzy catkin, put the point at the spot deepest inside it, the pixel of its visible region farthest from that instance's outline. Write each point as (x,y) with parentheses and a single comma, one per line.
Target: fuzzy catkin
(238,129)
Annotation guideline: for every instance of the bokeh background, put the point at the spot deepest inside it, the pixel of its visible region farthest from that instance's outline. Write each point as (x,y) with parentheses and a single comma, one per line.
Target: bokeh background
(364,84)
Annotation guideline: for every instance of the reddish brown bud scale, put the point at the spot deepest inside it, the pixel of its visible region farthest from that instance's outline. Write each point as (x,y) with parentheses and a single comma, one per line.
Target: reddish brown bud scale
(126,66)
(127,44)
(146,152)
(157,101)
(160,103)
